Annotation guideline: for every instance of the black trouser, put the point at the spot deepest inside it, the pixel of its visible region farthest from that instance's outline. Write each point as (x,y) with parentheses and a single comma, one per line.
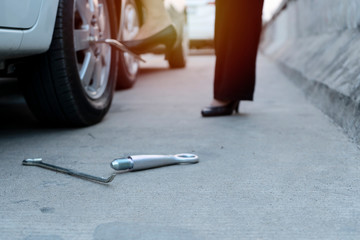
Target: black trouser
(237,33)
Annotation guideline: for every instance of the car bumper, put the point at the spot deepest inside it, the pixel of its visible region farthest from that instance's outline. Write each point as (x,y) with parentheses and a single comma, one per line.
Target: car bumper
(17,42)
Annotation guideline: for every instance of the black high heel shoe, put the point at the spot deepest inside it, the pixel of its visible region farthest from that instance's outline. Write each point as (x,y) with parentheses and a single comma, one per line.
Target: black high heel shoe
(167,37)
(222,110)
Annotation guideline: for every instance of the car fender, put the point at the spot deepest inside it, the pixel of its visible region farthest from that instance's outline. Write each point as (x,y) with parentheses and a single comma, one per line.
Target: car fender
(15,42)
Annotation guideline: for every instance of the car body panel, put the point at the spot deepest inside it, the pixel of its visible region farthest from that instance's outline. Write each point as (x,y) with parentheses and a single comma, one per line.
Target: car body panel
(10,41)
(201,19)
(19,14)
(16,43)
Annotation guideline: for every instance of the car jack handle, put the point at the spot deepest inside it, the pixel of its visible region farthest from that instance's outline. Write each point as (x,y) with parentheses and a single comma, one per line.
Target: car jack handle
(118,45)
(38,162)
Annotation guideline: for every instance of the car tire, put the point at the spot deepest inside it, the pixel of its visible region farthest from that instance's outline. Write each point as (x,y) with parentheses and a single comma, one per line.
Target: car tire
(177,56)
(72,84)
(130,21)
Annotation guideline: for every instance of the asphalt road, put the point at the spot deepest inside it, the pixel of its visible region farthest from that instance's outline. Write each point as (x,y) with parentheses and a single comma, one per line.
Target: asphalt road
(278,170)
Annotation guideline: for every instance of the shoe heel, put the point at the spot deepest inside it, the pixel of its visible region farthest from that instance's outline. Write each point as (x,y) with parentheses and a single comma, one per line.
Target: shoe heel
(169,47)
(165,37)
(168,51)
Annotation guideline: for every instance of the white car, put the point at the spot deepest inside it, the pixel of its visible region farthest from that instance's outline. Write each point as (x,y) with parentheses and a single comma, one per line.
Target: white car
(67,78)
(201,21)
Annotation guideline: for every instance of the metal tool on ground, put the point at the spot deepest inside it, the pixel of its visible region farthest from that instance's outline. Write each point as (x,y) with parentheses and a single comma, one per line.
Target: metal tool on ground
(118,45)
(39,163)
(141,162)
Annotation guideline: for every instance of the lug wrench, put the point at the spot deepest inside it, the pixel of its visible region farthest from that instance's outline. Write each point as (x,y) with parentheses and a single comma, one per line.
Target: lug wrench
(39,163)
(131,163)
(142,162)
(118,45)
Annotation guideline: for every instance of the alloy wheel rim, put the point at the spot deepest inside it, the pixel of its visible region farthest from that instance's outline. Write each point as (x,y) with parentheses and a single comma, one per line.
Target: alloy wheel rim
(93,60)
(129,31)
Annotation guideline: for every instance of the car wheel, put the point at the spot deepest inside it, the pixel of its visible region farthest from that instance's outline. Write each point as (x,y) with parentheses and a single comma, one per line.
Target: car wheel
(72,83)
(128,66)
(177,57)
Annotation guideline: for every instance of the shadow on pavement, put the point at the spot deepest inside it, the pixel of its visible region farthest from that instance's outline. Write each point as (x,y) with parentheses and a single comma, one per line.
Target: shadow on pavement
(152,70)
(16,117)
(14,112)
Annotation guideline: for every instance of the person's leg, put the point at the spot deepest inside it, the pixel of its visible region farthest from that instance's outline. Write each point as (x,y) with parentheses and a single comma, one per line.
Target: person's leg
(237,34)
(156,18)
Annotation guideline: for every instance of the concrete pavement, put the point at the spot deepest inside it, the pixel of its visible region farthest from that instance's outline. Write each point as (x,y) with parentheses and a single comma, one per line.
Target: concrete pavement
(278,170)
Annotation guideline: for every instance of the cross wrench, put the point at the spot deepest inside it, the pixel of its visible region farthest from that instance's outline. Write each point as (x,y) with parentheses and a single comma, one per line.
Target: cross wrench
(118,45)
(38,162)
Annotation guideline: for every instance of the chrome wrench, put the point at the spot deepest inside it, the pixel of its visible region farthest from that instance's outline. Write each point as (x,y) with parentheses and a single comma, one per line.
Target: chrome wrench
(141,162)
(118,45)
(39,163)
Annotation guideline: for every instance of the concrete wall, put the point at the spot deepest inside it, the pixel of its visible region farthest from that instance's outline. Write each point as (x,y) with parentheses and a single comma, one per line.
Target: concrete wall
(317,43)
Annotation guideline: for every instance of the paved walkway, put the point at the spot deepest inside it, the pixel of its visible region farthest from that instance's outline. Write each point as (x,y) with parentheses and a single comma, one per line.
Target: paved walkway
(279,170)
